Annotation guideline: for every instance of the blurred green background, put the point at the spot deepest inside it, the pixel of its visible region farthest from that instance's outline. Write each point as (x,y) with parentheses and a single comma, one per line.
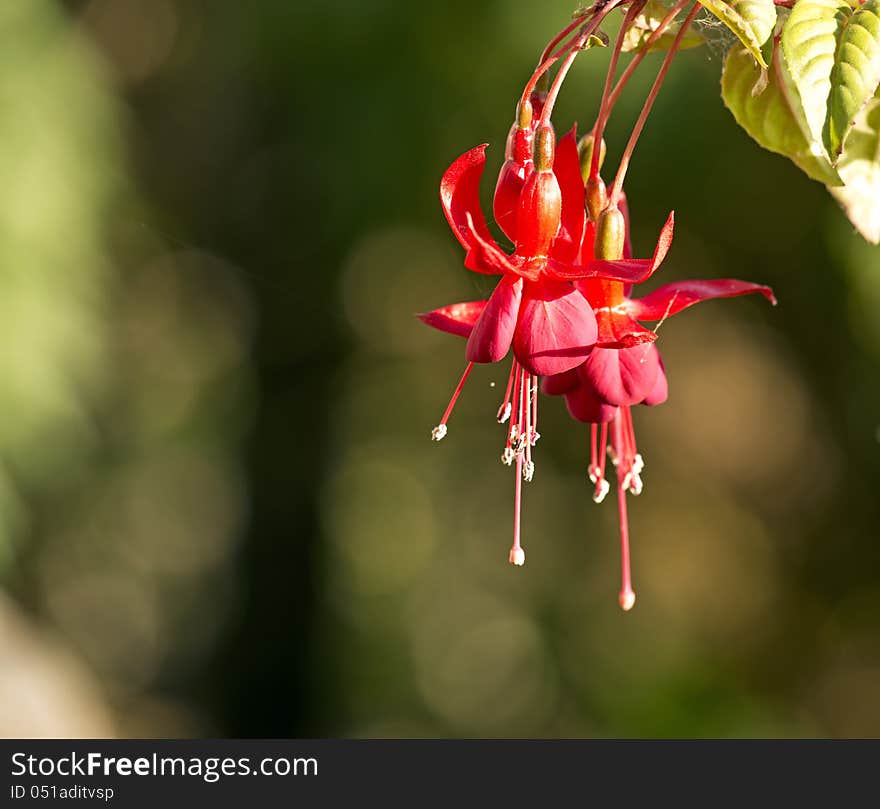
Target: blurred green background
(220,510)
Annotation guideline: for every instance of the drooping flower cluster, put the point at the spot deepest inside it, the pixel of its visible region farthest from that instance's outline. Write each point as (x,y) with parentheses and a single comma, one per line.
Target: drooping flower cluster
(563,304)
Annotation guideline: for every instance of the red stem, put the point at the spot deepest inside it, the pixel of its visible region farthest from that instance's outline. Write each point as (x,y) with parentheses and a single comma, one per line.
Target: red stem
(604,108)
(614,195)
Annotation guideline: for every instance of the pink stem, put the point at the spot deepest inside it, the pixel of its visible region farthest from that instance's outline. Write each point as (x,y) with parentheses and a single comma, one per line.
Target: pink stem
(604,107)
(616,189)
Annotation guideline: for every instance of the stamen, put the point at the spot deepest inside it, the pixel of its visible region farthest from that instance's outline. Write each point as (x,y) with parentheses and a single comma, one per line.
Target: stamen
(534,435)
(597,475)
(517,554)
(505,409)
(593,468)
(439,432)
(523,432)
(602,489)
(529,468)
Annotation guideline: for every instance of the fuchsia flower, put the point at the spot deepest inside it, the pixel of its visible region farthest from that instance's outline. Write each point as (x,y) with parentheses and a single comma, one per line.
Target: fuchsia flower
(563,301)
(536,309)
(624,369)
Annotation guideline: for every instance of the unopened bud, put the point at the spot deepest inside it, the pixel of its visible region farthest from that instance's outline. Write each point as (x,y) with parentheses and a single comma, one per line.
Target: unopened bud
(585,152)
(544,148)
(508,144)
(596,198)
(524,114)
(610,234)
(543,84)
(539,214)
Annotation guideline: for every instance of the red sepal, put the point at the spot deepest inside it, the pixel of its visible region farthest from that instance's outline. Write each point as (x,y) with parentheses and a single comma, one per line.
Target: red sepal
(673,298)
(457,318)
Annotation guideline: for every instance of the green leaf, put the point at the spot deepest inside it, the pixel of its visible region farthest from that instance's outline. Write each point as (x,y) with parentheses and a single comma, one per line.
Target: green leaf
(809,40)
(759,14)
(774,118)
(833,55)
(855,75)
(859,168)
(648,21)
(744,30)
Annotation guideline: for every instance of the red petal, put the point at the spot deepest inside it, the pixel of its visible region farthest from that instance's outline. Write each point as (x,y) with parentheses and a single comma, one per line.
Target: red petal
(567,168)
(583,405)
(556,329)
(459,318)
(630,271)
(493,332)
(672,298)
(460,196)
(660,392)
(485,256)
(623,376)
(619,330)
(560,383)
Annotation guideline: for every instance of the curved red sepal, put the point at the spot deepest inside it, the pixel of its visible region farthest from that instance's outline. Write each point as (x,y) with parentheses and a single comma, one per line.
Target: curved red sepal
(673,298)
(460,196)
(630,271)
(485,255)
(556,329)
(458,318)
(567,168)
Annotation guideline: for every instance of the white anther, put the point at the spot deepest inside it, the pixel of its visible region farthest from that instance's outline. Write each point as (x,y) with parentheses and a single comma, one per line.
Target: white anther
(602,489)
(514,433)
(438,433)
(528,471)
(507,456)
(517,557)
(635,484)
(520,443)
(612,454)
(504,413)
(638,464)
(594,472)
(535,436)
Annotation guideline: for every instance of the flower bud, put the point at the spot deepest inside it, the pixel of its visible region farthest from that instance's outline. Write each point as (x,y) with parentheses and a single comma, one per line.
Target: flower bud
(610,234)
(524,114)
(595,197)
(544,148)
(585,152)
(517,166)
(539,215)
